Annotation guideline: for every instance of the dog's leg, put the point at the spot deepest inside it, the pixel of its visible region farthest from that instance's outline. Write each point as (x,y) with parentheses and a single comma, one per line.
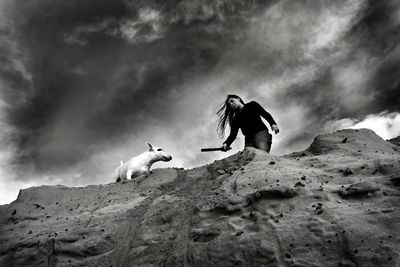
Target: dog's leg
(129,174)
(140,178)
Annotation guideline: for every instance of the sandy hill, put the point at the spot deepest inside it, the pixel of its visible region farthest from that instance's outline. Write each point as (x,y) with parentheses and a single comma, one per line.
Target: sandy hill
(334,204)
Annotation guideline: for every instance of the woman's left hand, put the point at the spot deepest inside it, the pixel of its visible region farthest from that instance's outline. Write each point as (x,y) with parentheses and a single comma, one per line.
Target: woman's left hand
(275,128)
(225,147)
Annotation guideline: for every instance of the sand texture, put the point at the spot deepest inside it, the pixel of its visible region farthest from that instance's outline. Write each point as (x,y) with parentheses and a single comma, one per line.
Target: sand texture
(334,204)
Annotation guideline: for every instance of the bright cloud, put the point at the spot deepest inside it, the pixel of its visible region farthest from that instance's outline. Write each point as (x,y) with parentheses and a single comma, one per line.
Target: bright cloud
(149,26)
(386,125)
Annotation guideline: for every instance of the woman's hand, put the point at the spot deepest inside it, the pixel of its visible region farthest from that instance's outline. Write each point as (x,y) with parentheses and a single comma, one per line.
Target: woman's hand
(275,128)
(225,147)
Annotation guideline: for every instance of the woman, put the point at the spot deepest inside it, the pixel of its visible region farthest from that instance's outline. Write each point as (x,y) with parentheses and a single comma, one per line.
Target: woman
(247,118)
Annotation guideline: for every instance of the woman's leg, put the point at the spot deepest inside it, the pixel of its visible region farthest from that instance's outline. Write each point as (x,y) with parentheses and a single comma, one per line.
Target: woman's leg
(263,141)
(249,142)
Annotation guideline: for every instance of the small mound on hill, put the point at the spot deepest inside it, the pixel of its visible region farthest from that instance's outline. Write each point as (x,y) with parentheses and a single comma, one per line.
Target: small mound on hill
(395,141)
(350,142)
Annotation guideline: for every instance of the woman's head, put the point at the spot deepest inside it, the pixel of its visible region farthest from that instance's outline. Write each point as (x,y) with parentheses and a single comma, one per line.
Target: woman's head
(232,105)
(234,102)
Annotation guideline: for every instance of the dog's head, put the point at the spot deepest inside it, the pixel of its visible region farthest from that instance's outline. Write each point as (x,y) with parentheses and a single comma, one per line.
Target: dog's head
(158,153)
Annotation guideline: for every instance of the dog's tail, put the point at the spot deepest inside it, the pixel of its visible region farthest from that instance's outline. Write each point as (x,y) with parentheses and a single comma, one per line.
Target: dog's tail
(122,163)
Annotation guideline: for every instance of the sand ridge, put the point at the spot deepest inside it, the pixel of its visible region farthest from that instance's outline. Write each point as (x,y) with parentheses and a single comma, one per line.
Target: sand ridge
(334,204)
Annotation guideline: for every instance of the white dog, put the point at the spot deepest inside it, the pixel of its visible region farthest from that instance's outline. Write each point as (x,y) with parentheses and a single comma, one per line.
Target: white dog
(141,164)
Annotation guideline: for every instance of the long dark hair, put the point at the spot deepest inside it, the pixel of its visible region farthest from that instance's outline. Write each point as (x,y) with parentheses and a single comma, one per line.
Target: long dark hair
(226,115)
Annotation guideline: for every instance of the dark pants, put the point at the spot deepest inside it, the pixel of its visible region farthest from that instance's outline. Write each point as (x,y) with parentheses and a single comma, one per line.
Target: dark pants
(261,140)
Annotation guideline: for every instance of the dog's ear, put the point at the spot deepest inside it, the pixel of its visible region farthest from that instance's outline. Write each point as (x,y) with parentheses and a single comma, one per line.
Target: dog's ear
(150,146)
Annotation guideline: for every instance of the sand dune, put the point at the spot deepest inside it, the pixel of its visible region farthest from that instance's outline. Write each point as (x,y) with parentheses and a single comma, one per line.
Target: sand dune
(334,204)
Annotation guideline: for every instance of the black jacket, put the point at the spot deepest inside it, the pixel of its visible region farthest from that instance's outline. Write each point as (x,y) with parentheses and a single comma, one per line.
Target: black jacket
(249,121)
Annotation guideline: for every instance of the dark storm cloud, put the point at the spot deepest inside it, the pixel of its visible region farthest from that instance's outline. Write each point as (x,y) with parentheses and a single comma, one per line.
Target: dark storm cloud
(378,36)
(103,70)
(358,77)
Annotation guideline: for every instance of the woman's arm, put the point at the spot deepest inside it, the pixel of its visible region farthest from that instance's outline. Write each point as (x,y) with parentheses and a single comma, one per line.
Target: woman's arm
(267,117)
(232,135)
(265,114)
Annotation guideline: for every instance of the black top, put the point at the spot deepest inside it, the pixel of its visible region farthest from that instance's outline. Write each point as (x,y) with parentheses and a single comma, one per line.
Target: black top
(249,121)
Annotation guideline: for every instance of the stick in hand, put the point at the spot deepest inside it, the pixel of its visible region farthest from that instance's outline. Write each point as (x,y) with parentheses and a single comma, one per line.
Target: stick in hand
(209,149)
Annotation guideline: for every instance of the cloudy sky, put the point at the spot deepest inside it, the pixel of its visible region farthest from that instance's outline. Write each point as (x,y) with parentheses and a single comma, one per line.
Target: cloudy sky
(84,84)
